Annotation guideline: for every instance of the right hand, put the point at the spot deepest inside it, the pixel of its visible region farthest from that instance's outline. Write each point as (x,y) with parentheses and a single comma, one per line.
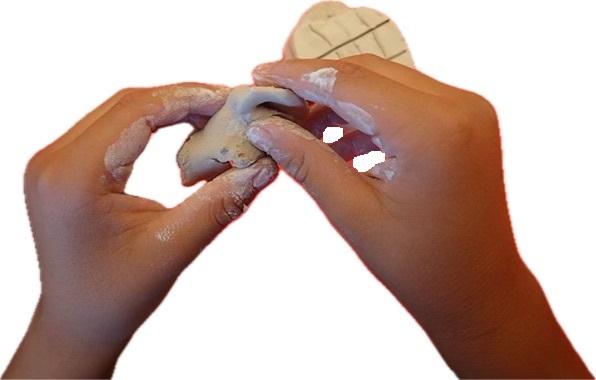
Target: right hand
(431,222)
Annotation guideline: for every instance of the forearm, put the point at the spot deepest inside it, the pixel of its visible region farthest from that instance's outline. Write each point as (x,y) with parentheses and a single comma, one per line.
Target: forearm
(49,350)
(515,337)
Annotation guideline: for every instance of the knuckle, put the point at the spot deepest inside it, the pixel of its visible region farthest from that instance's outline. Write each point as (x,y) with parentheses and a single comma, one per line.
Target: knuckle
(40,171)
(47,178)
(226,210)
(457,124)
(35,165)
(484,108)
(478,107)
(350,69)
(453,115)
(297,168)
(41,175)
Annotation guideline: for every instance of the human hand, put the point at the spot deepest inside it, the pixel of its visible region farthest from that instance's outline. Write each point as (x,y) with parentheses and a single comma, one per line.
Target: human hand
(431,222)
(106,258)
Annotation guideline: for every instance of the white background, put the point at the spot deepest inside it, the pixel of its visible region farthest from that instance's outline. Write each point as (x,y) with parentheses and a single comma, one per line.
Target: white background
(279,295)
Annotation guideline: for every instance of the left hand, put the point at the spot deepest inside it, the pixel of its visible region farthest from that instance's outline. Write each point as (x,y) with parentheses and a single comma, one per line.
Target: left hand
(107,258)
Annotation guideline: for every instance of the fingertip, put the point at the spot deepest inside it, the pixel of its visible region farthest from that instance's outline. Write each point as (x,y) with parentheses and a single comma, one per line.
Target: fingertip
(244,181)
(261,74)
(267,173)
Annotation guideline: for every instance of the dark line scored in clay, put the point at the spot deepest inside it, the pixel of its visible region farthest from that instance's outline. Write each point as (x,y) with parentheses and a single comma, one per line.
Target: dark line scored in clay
(373,34)
(397,54)
(353,39)
(312,29)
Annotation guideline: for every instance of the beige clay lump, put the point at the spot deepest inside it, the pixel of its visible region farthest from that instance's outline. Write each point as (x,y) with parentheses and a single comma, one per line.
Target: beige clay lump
(332,30)
(222,142)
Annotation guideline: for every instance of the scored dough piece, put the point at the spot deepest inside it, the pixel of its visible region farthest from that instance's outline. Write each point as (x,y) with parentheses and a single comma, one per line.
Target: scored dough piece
(222,142)
(332,30)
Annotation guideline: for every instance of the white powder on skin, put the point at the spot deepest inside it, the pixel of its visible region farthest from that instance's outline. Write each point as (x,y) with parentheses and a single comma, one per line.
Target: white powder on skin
(356,116)
(323,80)
(189,100)
(377,141)
(349,112)
(123,152)
(385,171)
(176,106)
(272,126)
(281,123)
(238,184)
(165,234)
(314,96)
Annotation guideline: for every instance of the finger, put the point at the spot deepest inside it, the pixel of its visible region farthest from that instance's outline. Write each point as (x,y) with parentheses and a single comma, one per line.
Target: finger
(403,74)
(87,120)
(197,121)
(385,171)
(320,118)
(192,224)
(314,165)
(368,101)
(353,144)
(108,148)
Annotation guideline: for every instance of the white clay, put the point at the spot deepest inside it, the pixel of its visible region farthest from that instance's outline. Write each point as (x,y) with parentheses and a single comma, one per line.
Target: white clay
(188,100)
(332,30)
(123,152)
(222,142)
(386,170)
(323,79)
(359,118)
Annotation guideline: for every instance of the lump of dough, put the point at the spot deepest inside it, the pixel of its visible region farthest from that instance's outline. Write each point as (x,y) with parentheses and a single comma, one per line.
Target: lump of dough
(332,30)
(222,142)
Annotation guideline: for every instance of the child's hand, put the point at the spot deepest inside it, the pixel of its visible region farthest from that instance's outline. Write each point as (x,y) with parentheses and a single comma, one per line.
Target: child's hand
(106,258)
(431,222)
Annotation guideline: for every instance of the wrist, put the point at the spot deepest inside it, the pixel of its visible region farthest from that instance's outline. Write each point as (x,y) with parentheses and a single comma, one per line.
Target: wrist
(55,347)
(512,333)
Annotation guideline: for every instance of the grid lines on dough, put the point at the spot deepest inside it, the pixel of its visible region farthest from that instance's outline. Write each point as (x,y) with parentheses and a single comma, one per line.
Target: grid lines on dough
(355,31)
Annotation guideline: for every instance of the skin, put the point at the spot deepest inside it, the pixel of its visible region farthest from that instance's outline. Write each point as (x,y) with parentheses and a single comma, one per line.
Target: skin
(107,259)
(436,230)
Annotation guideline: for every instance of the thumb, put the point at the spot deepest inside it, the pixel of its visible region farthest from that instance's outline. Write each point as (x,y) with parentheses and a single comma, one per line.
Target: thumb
(192,224)
(332,183)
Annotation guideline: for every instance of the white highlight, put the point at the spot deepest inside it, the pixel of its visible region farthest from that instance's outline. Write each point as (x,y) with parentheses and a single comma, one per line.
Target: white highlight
(323,79)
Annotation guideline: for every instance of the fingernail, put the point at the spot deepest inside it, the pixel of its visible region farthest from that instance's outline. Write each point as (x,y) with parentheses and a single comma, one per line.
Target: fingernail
(263,177)
(259,137)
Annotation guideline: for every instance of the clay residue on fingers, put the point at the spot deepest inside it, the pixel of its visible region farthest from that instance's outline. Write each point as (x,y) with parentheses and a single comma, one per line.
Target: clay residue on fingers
(240,185)
(127,148)
(356,116)
(186,100)
(322,79)
(282,123)
(262,76)
(260,134)
(243,182)
(377,141)
(386,170)
(320,88)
